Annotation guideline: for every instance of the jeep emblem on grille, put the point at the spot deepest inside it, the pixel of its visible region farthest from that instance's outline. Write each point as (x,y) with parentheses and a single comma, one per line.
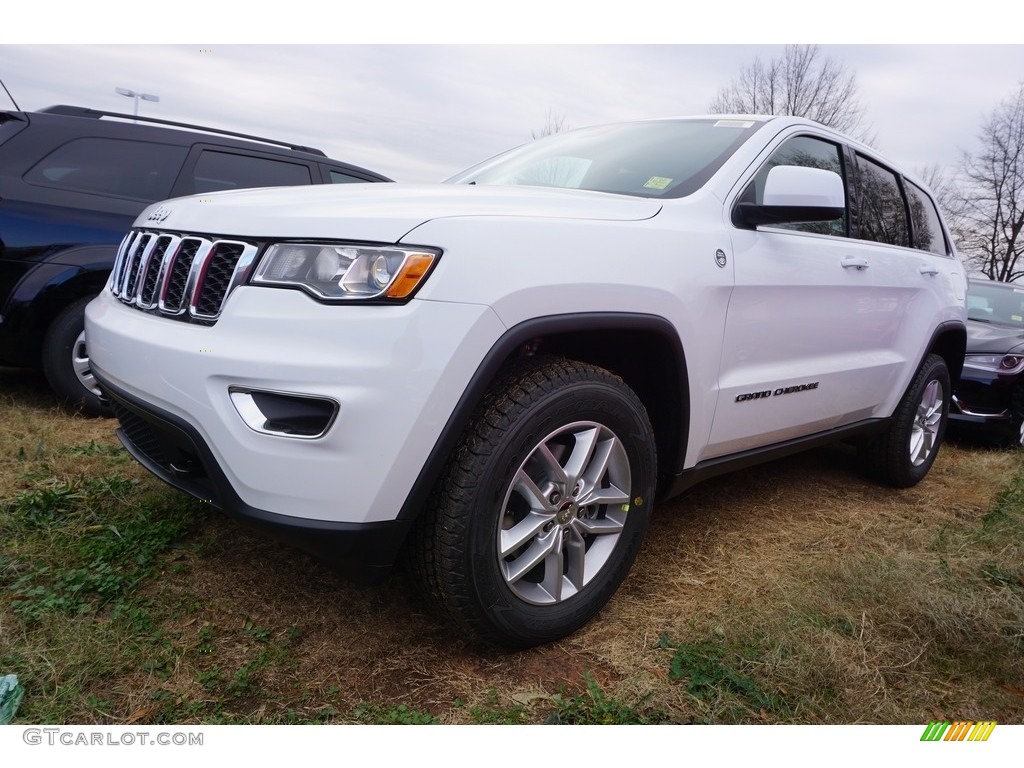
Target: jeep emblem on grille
(160,214)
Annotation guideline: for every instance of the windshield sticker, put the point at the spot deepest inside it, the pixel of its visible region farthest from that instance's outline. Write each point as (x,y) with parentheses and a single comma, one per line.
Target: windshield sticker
(734,123)
(657,182)
(1017,318)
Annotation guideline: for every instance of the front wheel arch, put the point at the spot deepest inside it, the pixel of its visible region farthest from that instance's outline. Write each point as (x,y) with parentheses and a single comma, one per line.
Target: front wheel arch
(660,379)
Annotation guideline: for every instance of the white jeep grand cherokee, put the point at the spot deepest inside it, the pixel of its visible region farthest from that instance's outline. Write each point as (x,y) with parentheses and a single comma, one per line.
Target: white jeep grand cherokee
(502,373)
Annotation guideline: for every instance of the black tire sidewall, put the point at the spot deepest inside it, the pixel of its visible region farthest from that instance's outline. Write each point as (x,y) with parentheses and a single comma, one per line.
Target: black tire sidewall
(514,620)
(58,346)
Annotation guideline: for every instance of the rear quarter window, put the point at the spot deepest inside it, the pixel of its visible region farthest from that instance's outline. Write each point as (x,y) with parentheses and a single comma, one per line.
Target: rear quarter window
(924,222)
(337,177)
(215,171)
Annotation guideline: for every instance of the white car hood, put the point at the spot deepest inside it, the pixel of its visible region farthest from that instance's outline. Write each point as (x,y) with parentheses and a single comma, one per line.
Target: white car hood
(376,212)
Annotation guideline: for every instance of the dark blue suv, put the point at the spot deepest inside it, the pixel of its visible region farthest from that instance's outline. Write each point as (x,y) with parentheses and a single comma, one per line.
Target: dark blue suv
(72,181)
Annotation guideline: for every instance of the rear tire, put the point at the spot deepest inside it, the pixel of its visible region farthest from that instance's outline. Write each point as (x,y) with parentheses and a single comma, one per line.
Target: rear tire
(1016,438)
(543,507)
(66,362)
(902,456)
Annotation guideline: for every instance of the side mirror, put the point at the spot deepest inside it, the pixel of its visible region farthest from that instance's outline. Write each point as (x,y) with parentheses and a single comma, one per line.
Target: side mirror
(795,194)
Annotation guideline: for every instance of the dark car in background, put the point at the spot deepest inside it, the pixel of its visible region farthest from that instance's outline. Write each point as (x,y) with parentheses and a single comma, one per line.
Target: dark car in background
(989,400)
(72,181)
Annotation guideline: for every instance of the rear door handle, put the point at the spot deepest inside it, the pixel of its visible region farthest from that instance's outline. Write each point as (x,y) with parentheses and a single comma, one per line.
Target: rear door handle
(928,269)
(854,262)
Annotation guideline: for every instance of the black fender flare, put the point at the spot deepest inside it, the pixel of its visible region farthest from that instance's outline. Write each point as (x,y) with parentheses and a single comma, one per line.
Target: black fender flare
(521,336)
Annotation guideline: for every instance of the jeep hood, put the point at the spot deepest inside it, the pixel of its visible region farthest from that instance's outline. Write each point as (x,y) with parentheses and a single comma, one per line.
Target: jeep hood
(376,212)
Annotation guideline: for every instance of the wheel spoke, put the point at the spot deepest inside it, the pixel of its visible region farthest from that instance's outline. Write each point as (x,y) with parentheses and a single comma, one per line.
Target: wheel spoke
(542,548)
(921,442)
(931,400)
(609,495)
(553,564)
(579,460)
(599,526)
(916,439)
(576,553)
(925,430)
(520,533)
(533,495)
(555,471)
(598,465)
(81,365)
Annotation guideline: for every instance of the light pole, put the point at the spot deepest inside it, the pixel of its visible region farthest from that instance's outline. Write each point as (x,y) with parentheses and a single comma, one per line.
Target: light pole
(136,95)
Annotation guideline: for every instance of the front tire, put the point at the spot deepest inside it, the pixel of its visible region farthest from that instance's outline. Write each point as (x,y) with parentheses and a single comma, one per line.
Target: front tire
(902,456)
(66,362)
(543,507)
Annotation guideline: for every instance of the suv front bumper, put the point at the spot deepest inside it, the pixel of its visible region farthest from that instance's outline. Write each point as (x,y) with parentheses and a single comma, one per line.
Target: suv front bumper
(175,452)
(396,372)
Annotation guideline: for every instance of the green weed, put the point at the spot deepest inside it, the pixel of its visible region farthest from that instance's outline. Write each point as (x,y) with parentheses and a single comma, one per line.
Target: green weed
(42,507)
(594,707)
(373,714)
(259,633)
(493,712)
(83,567)
(97,449)
(708,669)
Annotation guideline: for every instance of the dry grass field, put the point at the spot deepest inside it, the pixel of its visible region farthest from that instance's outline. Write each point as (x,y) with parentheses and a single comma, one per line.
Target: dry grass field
(795,592)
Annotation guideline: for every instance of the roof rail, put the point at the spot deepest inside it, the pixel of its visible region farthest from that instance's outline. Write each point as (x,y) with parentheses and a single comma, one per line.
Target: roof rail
(64,109)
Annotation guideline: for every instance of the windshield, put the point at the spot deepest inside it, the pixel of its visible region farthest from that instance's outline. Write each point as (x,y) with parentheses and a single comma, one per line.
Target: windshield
(997,303)
(657,158)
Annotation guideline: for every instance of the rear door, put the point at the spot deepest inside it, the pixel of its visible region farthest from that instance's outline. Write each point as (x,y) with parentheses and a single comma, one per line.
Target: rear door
(911,262)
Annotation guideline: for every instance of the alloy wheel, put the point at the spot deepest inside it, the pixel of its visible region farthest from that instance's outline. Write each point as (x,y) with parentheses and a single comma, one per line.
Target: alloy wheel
(925,431)
(564,513)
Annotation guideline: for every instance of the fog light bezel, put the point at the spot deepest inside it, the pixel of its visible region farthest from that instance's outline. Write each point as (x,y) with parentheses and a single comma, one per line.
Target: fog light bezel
(246,401)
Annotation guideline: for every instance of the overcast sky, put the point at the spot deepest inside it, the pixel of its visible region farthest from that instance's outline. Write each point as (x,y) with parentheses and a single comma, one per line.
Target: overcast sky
(421,112)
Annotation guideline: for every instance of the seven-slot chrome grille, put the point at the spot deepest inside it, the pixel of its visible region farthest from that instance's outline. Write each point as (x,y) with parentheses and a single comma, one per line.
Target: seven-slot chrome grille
(187,277)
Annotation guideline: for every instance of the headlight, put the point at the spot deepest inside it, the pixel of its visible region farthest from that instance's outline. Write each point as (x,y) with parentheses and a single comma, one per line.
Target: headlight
(348,272)
(1008,364)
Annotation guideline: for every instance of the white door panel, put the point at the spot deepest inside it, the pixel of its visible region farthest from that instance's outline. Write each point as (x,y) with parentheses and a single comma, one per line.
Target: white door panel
(805,343)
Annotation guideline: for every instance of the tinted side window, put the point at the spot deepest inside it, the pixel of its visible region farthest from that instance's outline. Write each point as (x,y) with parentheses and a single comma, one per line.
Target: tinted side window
(808,152)
(924,218)
(224,170)
(136,169)
(337,177)
(882,213)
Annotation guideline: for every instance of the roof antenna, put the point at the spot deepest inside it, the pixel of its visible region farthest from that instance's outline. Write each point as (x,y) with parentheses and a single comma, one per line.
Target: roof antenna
(10,97)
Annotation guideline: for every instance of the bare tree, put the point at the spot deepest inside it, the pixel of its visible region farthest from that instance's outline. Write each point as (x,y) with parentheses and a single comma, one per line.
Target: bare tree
(555,124)
(992,218)
(802,83)
(947,184)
